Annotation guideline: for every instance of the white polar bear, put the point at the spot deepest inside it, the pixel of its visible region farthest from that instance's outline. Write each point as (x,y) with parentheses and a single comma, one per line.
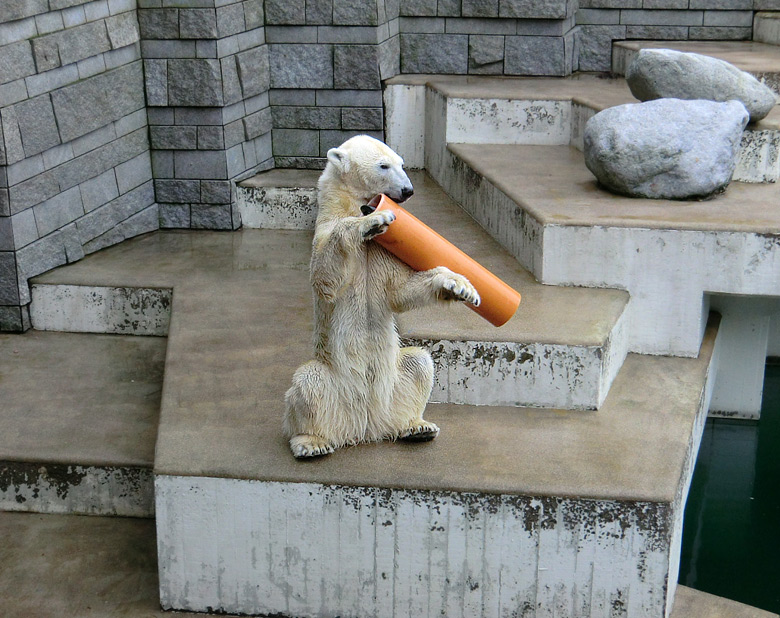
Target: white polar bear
(362,386)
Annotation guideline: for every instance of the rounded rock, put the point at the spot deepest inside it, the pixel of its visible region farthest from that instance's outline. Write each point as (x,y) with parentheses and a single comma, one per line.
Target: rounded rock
(665,149)
(666,73)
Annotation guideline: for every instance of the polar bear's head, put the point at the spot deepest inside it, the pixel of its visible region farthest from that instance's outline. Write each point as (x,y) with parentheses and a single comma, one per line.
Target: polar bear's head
(367,167)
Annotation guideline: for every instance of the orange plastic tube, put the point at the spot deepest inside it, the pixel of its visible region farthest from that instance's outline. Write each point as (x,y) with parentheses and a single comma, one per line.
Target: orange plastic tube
(417,245)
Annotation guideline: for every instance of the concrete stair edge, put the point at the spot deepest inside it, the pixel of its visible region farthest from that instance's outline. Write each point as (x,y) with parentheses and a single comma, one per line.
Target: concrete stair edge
(78,423)
(573,368)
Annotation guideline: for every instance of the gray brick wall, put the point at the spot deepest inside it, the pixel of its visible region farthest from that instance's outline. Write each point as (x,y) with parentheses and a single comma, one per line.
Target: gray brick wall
(327,60)
(75,167)
(603,21)
(207,74)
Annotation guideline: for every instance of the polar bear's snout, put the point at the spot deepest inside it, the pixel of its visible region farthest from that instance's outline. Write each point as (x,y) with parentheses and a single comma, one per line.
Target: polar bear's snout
(406,193)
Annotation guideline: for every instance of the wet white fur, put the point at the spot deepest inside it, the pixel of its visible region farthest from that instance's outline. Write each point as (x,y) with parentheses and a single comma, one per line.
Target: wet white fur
(362,386)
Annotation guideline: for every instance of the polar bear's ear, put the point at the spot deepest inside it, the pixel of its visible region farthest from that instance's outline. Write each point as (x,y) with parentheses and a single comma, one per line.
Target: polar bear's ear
(339,158)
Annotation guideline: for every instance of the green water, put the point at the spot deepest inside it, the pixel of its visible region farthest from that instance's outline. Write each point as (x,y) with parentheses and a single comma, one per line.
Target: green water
(731,535)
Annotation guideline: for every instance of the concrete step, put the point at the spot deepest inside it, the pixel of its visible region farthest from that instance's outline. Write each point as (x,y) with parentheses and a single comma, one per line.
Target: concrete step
(562,349)
(78,423)
(766,27)
(757,58)
(690,603)
(545,207)
(279,199)
(55,566)
(426,112)
(510,509)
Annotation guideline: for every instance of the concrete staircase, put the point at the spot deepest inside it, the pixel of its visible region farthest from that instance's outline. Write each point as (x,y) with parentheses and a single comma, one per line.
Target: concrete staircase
(558,484)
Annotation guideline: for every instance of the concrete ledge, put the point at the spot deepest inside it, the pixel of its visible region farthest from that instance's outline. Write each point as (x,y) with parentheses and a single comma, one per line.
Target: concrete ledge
(690,603)
(531,111)
(77,490)
(279,199)
(303,549)
(766,27)
(94,309)
(78,423)
(376,528)
(562,349)
(557,222)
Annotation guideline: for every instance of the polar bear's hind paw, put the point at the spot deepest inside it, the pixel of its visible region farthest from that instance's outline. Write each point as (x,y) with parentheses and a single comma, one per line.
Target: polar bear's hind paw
(421,431)
(304,446)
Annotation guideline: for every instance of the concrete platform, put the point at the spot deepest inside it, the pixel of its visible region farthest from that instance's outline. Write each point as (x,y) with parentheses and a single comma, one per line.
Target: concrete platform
(761,60)
(279,199)
(78,422)
(558,491)
(572,232)
(86,567)
(562,348)
(107,568)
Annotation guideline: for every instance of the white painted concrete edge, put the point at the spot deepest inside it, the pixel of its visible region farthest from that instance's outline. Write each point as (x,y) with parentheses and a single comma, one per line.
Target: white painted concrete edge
(303,549)
(101,309)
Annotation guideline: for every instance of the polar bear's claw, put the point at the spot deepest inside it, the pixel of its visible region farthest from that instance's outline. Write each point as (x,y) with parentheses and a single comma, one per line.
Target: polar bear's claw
(461,289)
(309,446)
(377,223)
(420,432)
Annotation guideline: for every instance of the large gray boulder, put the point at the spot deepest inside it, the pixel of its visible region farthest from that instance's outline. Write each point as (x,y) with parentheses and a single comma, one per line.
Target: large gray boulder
(668,148)
(665,73)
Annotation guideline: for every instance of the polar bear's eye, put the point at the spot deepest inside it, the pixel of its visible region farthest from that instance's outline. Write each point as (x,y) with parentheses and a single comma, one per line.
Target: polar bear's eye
(384,166)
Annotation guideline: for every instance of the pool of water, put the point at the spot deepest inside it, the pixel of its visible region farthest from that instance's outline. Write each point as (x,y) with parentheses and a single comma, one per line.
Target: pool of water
(731,534)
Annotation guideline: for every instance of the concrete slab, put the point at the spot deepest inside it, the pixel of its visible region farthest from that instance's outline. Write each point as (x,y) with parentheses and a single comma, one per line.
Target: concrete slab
(224,432)
(389,529)
(766,27)
(91,567)
(80,399)
(564,192)
(426,112)
(669,255)
(78,422)
(561,349)
(690,603)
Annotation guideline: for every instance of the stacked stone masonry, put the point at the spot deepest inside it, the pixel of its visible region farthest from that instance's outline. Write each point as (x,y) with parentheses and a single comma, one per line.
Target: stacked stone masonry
(600,22)
(327,60)
(75,167)
(118,117)
(207,77)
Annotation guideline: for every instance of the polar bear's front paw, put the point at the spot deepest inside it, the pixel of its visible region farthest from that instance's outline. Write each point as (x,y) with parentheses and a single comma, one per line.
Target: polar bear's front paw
(305,445)
(460,288)
(420,431)
(376,223)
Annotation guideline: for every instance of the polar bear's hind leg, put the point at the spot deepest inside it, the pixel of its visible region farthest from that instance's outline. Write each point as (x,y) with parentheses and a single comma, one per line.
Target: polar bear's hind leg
(412,390)
(307,403)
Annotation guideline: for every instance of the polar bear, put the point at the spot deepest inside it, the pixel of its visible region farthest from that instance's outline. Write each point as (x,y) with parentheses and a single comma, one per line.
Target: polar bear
(362,386)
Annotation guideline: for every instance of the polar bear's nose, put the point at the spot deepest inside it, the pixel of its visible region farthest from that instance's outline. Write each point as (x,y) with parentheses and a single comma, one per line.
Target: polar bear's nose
(407,192)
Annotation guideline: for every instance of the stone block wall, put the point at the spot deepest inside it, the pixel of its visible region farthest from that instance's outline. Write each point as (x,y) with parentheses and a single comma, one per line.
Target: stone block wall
(601,22)
(207,79)
(327,60)
(487,37)
(329,57)
(75,166)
